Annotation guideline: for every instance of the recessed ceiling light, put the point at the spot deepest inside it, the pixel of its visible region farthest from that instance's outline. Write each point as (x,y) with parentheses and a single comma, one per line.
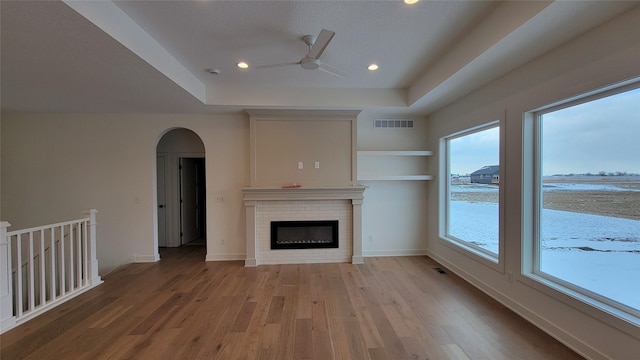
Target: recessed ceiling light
(373,67)
(410,2)
(243,65)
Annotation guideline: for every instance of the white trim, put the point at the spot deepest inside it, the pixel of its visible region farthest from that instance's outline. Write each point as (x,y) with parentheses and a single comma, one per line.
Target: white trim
(395,153)
(406,252)
(303,193)
(146,258)
(224,257)
(250,262)
(372,177)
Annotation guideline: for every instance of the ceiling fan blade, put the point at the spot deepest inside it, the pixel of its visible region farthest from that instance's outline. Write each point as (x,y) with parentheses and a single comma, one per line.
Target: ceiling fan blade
(277,65)
(331,70)
(321,43)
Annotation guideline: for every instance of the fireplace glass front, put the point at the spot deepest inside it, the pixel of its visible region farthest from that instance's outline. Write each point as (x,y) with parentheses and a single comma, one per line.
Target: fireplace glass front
(304,234)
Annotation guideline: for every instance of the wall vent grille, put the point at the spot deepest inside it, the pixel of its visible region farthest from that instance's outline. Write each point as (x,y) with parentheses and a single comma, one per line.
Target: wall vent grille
(392,124)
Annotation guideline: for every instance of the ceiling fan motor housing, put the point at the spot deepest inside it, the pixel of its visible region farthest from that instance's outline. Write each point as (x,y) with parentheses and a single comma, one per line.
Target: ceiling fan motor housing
(309,63)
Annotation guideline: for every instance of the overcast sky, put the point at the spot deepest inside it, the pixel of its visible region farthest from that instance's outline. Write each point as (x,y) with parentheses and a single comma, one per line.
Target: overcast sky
(601,135)
(471,152)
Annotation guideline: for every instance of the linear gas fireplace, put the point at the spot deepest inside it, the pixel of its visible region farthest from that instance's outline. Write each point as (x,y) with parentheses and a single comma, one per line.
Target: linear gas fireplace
(319,234)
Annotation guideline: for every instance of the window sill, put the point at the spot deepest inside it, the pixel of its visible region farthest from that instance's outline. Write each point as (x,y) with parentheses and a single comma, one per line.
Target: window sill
(479,256)
(608,314)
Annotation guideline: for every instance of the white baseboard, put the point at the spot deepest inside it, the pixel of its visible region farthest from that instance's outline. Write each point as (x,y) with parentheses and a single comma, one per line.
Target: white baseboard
(146,258)
(250,262)
(407,252)
(224,257)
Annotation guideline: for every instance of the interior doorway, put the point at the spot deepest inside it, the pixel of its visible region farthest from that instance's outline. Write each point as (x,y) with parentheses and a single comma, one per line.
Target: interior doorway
(181,186)
(192,201)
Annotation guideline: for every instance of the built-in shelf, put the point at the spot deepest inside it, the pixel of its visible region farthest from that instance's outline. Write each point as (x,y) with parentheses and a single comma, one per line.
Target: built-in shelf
(366,177)
(378,165)
(394,153)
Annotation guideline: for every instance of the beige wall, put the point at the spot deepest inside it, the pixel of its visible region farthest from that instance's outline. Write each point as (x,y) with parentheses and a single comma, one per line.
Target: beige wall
(56,165)
(605,56)
(394,213)
(283,139)
(281,145)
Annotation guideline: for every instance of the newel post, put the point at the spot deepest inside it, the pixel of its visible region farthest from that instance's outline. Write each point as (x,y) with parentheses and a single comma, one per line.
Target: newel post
(7,320)
(93,277)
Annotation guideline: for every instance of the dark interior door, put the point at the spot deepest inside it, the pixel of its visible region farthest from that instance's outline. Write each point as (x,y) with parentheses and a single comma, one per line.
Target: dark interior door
(192,200)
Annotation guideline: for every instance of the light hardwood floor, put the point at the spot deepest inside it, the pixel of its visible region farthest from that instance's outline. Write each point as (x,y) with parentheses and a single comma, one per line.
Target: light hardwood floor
(185,308)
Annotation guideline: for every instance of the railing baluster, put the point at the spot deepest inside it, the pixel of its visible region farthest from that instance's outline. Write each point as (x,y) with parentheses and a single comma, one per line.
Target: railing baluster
(78,256)
(31,293)
(72,285)
(63,269)
(85,263)
(43,280)
(53,264)
(19,308)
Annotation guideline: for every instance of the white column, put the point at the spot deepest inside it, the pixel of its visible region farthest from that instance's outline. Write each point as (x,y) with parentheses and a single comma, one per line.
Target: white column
(250,231)
(94,278)
(7,320)
(357,232)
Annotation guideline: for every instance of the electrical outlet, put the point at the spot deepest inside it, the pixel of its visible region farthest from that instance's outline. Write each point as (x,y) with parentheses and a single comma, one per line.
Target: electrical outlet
(509,276)
(221,241)
(317,165)
(300,165)
(370,238)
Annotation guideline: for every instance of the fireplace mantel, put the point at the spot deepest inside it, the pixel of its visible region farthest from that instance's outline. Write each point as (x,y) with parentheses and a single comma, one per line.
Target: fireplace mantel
(254,195)
(303,193)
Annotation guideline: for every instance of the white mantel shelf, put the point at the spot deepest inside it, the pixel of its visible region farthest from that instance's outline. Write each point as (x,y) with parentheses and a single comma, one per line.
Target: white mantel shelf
(304,193)
(254,195)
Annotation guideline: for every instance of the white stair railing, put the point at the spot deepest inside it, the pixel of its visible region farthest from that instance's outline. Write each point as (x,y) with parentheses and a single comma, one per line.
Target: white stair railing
(44,266)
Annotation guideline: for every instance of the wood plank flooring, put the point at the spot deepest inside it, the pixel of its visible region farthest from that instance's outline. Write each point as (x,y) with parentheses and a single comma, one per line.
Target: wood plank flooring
(185,308)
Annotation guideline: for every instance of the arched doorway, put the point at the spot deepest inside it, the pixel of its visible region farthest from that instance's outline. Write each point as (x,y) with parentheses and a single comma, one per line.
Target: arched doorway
(180,157)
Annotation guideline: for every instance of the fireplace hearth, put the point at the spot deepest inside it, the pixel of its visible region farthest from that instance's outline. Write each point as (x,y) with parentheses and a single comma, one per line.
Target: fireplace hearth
(320,234)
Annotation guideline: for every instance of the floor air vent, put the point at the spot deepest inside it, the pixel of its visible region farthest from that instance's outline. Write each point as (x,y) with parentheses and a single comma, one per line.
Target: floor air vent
(392,124)
(440,270)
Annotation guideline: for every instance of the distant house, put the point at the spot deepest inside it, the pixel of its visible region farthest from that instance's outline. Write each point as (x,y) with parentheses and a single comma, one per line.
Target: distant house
(487,175)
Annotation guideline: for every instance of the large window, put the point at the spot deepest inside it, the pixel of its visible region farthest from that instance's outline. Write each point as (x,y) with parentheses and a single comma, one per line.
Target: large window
(587,228)
(472,197)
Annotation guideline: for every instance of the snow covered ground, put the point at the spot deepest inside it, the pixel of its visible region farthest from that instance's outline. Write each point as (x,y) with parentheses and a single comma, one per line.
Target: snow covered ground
(598,253)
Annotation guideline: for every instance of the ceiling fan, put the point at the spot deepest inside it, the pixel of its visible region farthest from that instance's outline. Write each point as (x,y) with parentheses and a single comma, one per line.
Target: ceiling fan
(311,61)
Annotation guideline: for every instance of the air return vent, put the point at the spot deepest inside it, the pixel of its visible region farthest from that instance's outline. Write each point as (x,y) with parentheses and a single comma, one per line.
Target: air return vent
(392,124)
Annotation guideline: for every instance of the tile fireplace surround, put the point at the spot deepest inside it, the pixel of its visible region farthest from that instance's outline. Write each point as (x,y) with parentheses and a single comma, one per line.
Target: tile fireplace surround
(263,205)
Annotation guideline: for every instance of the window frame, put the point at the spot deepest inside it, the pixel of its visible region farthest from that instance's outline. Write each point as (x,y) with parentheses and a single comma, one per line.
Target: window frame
(483,256)
(619,315)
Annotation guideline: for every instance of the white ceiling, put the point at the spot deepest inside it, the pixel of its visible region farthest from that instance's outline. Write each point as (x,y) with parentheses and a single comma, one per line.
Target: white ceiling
(153,56)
